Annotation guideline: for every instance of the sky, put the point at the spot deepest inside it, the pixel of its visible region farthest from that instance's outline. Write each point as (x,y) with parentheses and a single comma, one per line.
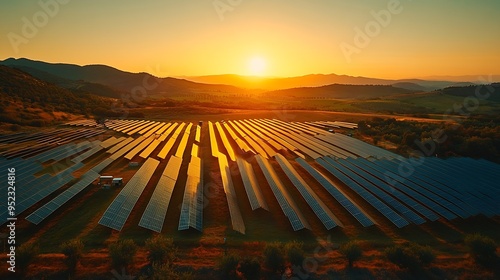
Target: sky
(280,38)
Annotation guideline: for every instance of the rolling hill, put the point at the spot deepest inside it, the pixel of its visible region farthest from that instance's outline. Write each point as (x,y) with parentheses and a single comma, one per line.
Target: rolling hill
(341,91)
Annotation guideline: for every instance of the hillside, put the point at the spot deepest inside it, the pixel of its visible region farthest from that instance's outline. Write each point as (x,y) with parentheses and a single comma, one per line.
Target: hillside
(119,80)
(26,100)
(338,91)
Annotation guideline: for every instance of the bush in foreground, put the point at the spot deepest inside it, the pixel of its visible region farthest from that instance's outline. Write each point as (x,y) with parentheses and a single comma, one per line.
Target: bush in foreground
(351,251)
(250,268)
(295,253)
(411,256)
(273,257)
(73,250)
(25,254)
(482,249)
(227,266)
(122,253)
(161,249)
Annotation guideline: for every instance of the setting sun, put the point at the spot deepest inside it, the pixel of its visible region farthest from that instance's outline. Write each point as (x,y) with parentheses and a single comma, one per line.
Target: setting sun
(257,66)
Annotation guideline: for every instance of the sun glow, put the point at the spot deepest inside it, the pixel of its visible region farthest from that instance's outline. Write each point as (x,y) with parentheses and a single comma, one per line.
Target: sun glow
(257,66)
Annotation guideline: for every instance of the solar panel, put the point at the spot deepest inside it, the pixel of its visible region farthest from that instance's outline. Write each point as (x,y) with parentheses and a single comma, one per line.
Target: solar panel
(417,192)
(225,142)
(120,145)
(144,143)
(291,211)
(319,208)
(182,145)
(253,133)
(170,143)
(43,212)
(338,194)
(213,140)
(390,214)
(347,169)
(192,204)
(197,136)
(150,148)
(227,182)
(252,188)
(95,149)
(258,149)
(154,215)
(118,211)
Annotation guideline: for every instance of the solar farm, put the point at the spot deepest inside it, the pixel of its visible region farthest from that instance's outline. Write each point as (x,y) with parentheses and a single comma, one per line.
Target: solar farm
(247,180)
(292,156)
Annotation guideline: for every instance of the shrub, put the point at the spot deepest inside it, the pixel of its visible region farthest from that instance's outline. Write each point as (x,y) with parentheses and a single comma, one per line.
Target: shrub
(295,253)
(73,251)
(273,257)
(25,254)
(482,249)
(227,266)
(122,253)
(351,251)
(161,249)
(250,268)
(411,256)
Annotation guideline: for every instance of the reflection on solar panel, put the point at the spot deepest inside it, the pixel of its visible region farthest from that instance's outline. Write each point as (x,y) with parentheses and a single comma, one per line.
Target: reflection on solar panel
(50,207)
(192,204)
(109,142)
(227,182)
(144,143)
(258,149)
(338,194)
(117,213)
(320,209)
(154,215)
(138,128)
(213,140)
(164,127)
(120,145)
(253,133)
(127,148)
(252,188)
(241,144)
(394,217)
(96,148)
(285,201)
(153,130)
(197,136)
(225,141)
(170,143)
(183,143)
(150,148)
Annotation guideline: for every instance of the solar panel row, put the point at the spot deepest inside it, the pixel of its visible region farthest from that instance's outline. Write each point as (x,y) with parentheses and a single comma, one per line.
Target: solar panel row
(319,208)
(338,194)
(50,207)
(171,141)
(227,182)
(117,213)
(252,188)
(390,214)
(153,217)
(192,204)
(291,211)
(225,142)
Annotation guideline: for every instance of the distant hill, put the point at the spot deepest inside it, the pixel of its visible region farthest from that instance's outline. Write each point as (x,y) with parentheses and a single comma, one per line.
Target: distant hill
(24,99)
(117,79)
(492,92)
(340,91)
(316,80)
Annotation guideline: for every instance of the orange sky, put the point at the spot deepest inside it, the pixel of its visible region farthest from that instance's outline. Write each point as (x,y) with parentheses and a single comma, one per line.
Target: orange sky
(386,39)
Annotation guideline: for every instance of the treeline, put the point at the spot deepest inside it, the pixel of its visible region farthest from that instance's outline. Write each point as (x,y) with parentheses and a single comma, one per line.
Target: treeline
(476,137)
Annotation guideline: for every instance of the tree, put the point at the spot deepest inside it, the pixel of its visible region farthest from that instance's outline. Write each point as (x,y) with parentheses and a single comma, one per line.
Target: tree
(250,268)
(25,254)
(227,266)
(410,256)
(351,251)
(295,253)
(122,253)
(482,249)
(161,249)
(273,256)
(73,250)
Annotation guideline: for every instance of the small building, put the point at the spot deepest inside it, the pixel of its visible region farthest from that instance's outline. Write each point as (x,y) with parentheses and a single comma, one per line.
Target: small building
(105,181)
(117,182)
